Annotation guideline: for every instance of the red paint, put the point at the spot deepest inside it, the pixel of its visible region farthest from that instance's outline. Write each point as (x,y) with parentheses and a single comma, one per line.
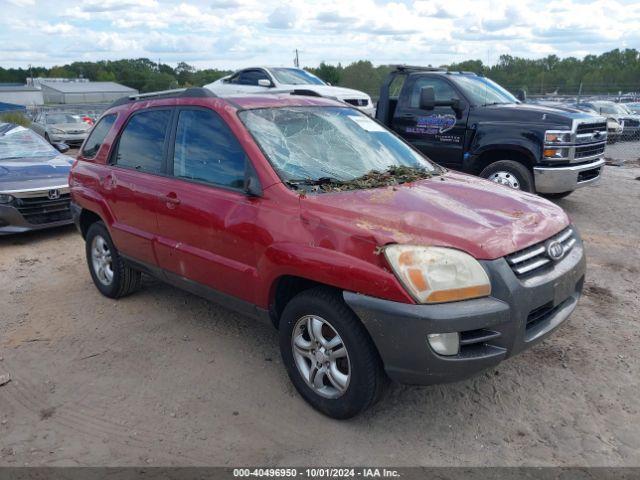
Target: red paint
(242,245)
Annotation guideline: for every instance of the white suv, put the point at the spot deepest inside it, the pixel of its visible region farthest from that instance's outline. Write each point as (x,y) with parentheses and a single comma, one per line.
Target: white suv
(274,79)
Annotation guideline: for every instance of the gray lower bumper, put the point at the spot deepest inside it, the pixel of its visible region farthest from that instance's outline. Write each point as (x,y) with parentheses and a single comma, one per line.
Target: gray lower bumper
(566,179)
(520,313)
(12,221)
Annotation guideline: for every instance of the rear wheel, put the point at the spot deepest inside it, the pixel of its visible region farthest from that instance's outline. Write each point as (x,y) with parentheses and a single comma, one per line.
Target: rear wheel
(328,354)
(509,173)
(111,275)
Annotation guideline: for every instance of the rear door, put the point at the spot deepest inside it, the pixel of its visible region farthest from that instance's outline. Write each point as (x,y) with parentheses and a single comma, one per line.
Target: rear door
(131,187)
(206,222)
(438,133)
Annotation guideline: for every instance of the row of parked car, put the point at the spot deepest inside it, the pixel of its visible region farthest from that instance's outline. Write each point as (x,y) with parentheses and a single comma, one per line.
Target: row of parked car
(347,233)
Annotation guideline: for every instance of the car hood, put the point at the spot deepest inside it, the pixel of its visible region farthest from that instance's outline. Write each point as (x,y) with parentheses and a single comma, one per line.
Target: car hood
(531,113)
(84,127)
(482,218)
(328,91)
(37,172)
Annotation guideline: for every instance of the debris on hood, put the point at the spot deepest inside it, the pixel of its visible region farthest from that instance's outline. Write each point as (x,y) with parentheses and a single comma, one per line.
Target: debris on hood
(394,175)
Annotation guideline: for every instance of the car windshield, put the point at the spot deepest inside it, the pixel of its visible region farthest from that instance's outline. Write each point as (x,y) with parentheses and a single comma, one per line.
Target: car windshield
(482,91)
(295,76)
(20,142)
(336,144)
(63,118)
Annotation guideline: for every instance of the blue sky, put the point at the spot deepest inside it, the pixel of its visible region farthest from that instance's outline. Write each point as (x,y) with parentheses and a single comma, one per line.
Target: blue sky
(237,33)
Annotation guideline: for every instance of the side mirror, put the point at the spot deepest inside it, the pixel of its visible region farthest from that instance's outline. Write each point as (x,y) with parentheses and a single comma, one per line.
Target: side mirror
(61,147)
(263,82)
(521,95)
(427,98)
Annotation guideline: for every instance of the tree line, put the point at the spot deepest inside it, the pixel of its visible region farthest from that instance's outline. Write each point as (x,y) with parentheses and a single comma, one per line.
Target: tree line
(611,72)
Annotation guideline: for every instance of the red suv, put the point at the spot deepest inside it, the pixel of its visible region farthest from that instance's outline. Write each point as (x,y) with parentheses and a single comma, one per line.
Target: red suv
(372,261)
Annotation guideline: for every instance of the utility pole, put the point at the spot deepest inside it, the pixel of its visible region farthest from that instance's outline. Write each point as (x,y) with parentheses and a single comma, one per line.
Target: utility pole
(296,61)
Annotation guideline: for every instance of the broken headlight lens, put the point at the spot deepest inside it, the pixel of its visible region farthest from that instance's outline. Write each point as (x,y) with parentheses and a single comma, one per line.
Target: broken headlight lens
(438,274)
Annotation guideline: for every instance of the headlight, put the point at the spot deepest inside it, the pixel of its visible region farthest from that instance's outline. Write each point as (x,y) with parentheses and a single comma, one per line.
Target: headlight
(556,153)
(557,136)
(4,198)
(56,130)
(438,274)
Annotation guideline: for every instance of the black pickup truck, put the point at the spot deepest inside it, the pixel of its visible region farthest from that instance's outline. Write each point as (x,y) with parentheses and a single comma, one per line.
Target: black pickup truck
(469,123)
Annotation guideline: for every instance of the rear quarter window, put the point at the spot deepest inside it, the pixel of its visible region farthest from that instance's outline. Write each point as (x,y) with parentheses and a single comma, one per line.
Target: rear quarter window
(97,136)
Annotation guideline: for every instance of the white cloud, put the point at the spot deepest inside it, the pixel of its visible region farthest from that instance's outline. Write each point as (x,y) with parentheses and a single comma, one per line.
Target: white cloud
(235,33)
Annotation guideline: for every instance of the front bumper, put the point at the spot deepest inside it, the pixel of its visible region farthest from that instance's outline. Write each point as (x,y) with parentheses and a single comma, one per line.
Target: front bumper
(33,210)
(567,178)
(68,138)
(520,313)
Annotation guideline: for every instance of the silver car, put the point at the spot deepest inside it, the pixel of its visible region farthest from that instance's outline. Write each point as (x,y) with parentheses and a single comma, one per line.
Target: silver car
(61,128)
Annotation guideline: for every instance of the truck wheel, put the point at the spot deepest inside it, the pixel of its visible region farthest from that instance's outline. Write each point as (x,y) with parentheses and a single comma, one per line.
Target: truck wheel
(110,274)
(556,196)
(328,354)
(510,173)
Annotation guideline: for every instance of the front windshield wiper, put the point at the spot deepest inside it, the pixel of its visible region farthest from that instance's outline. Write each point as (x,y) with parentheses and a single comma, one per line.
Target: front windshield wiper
(311,181)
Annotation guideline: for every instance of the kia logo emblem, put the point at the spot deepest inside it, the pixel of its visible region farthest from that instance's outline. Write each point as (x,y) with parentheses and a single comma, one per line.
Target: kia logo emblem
(53,194)
(555,250)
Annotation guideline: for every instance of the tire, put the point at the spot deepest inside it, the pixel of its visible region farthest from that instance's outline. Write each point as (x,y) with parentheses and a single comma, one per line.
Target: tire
(519,175)
(361,364)
(556,196)
(117,279)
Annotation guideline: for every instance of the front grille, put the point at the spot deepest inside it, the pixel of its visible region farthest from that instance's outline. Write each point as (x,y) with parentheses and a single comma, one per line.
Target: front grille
(357,102)
(535,257)
(589,150)
(40,210)
(591,127)
(631,123)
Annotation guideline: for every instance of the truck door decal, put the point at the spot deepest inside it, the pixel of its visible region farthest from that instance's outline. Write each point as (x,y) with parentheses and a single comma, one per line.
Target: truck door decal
(433,124)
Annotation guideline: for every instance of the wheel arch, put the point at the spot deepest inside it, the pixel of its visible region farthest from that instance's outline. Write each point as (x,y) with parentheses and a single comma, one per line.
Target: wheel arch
(492,155)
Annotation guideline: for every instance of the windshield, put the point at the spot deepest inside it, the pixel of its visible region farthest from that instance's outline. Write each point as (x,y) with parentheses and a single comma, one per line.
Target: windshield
(63,118)
(337,143)
(20,142)
(482,91)
(295,76)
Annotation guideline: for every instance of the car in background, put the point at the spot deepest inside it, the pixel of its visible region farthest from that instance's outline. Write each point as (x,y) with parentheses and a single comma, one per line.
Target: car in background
(279,79)
(61,127)
(614,128)
(629,121)
(34,187)
(633,107)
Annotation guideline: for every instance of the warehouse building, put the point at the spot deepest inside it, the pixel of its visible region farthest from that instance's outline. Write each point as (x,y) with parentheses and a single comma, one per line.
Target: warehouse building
(74,92)
(20,94)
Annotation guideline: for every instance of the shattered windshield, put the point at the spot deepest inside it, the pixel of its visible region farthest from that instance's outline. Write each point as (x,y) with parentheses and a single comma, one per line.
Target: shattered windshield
(333,146)
(20,142)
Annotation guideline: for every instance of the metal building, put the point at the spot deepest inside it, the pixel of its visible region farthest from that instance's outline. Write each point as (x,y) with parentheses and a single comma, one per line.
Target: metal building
(20,95)
(71,92)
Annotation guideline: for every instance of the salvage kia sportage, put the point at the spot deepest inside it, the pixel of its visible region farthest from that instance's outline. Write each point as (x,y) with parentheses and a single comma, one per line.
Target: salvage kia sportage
(373,262)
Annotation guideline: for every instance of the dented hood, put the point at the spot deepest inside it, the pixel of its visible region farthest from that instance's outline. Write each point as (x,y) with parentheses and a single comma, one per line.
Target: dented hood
(482,218)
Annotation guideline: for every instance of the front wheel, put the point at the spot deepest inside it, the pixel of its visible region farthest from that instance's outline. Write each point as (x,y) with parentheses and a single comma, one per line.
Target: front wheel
(509,173)
(329,355)
(111,275)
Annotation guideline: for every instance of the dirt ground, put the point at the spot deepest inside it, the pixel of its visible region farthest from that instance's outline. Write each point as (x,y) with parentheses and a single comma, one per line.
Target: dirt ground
(166,378)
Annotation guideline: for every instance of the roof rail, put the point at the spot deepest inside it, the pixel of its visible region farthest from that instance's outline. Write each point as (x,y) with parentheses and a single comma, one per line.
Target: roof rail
(192,92)
(403,68)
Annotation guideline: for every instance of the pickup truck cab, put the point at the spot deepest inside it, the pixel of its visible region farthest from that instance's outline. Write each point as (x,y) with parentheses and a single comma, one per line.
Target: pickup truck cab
(371,261)
(469,123)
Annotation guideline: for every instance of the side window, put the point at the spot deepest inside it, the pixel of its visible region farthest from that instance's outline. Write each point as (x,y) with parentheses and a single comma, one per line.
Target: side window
(141,144)
(206,150)
(251,77)
(234,79)
(97,136)
(442,89)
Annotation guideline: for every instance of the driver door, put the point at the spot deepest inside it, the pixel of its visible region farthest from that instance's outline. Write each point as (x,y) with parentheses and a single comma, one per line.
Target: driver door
(438,133)
(247,81)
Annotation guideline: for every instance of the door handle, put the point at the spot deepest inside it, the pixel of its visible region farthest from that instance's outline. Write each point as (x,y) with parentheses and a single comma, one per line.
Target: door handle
(172,200)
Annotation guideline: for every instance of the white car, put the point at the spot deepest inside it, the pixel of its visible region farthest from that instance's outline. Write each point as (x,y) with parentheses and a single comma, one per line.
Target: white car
(275,79)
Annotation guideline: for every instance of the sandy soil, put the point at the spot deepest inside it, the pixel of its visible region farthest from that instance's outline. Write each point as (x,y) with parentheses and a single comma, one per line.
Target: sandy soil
(165,378)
